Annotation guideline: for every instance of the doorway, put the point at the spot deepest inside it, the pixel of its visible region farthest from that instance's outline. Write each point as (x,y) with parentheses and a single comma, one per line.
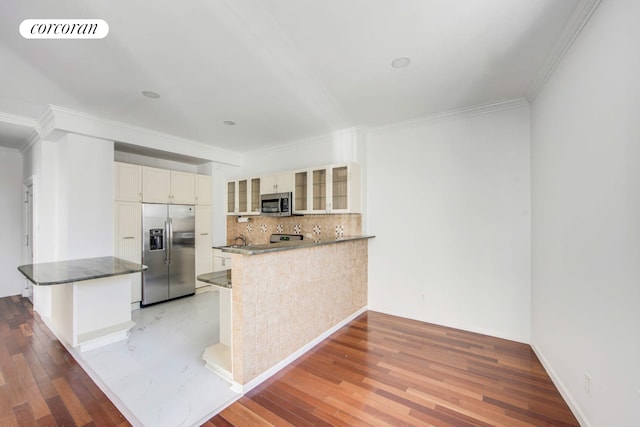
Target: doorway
(27,289)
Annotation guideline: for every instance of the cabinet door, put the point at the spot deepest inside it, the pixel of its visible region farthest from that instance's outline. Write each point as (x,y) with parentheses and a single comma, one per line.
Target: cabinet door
(268,184)
(277,183)
(255,196)
(231,198)
(203,190)
(128,240)
(183,188)
(243,196)
(203,241)
(300,192)
(285,182)
(128,182)
(221,260)
(319,191)
(340,188)
(156,185)
(345,192)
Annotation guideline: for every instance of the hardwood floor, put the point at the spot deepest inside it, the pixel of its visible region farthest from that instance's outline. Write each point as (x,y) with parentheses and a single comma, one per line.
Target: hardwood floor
(383,370)
(40,383)
(379,370)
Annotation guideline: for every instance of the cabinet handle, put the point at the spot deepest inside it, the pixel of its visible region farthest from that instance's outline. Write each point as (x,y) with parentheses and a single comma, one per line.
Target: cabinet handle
(204,234)
(139,197)
(128,238)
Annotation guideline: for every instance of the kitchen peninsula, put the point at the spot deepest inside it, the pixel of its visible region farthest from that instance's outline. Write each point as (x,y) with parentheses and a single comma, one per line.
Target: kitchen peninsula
(285,298)
(89,298)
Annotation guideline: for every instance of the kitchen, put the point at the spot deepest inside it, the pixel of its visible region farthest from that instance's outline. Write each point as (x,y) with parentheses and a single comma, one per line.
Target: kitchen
(473,202)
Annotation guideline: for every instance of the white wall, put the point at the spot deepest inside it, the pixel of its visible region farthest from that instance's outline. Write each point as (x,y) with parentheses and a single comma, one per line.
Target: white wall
(346,145)
(586,219)
(11,211)
(73,202)
(85,194)
(153,162)
(449,202)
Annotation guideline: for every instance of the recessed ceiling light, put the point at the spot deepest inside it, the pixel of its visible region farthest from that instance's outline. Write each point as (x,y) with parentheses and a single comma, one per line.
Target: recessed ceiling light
(151,94)
(229,123)
(401,62)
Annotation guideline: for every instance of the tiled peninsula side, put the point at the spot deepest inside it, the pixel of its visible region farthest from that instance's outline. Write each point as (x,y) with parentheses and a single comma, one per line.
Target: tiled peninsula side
(284,300)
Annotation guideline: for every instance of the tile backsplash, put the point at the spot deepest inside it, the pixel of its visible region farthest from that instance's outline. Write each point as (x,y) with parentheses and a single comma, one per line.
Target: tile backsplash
(316,227)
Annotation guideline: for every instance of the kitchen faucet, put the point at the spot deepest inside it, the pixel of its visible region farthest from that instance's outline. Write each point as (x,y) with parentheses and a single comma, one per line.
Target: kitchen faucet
(242,239)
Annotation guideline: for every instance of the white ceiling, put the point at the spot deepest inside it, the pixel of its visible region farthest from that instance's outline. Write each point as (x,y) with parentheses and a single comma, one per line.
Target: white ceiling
(284,70)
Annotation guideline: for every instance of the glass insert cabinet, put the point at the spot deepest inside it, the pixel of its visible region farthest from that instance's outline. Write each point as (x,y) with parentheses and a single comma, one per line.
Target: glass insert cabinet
(328,189)
(324,189)
(243,197)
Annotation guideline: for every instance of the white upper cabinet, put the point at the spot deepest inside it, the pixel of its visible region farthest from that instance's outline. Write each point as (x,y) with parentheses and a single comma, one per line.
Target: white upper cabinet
(346,188)
(328,189)
(322,190)
(128,182)
(165,186)
(254,195)
(243,196)
(276,183)
(301,191)
(203,190)
(183,188)
(156,185)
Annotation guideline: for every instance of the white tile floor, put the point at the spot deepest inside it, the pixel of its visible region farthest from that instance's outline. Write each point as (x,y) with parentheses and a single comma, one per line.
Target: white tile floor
(157,376)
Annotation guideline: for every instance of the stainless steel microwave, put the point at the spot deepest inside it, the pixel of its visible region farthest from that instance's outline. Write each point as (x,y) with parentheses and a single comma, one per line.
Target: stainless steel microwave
(276,204)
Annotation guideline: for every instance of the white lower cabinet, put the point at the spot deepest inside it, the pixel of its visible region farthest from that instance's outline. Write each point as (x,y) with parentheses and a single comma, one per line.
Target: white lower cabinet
(217,356)
(203,242)
(128,240)
(221,260)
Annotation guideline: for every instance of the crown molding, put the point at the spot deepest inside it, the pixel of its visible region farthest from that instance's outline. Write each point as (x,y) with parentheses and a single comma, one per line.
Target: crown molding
(34,137)
(9,150)
(58,121)
(461,113)
(576,24)
(23,121)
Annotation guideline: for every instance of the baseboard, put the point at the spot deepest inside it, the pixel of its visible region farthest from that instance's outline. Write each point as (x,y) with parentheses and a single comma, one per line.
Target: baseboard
(523,339)
(575,408)
(245,388)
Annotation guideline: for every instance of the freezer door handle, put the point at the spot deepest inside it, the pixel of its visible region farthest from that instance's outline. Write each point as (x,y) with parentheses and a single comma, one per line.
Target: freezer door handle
(166,243)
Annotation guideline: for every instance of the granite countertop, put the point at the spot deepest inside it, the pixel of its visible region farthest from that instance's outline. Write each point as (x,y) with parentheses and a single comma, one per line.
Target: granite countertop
(285,246)
(77,270)
(218,278)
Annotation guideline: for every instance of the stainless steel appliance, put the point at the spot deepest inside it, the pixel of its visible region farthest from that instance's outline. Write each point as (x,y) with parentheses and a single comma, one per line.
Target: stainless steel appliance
(276,204)
(168,252)
(279,238)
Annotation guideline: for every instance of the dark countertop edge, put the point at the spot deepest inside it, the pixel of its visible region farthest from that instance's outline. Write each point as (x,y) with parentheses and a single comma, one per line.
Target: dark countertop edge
(81,278)
(277,247)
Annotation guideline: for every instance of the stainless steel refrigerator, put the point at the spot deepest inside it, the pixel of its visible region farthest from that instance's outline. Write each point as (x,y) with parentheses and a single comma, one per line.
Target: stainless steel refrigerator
(168,252)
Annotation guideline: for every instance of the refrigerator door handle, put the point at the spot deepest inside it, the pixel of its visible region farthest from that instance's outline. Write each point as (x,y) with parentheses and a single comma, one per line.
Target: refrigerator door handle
(170,240)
